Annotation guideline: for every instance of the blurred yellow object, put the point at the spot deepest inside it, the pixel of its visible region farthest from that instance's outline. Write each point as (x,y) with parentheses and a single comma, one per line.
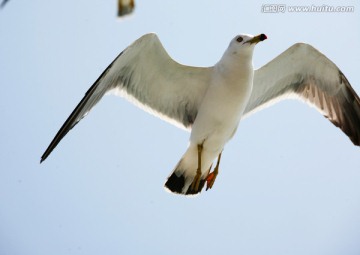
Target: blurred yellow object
(125,7)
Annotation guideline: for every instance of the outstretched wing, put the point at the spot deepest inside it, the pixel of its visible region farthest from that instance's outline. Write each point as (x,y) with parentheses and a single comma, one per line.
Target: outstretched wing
(303,73)
(146,75)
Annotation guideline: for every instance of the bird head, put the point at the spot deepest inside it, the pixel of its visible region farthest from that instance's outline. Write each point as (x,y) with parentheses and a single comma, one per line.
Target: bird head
(244,43)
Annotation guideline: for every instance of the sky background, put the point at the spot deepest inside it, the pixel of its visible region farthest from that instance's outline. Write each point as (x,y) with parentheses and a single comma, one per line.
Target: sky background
(289,180)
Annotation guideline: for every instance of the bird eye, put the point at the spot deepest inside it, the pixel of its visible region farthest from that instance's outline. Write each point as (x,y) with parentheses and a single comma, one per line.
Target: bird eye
(239,39)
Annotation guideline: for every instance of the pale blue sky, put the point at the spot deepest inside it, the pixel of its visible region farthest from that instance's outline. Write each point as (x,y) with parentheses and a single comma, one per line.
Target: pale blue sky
(289,181)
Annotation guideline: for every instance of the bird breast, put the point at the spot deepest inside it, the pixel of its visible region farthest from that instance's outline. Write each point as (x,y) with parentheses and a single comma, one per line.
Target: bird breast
(222,107)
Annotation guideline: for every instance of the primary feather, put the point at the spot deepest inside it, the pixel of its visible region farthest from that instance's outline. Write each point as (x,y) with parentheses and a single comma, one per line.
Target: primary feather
(302,72)
(146,75)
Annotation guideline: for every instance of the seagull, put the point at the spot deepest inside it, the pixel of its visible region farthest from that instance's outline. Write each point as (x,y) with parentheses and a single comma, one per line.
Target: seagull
(211,101)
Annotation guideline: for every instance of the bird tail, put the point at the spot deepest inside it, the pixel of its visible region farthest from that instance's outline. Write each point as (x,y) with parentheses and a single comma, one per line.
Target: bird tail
(180,180)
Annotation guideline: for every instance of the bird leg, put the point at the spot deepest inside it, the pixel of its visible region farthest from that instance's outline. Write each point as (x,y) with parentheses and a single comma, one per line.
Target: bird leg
(196,182)
(212,176)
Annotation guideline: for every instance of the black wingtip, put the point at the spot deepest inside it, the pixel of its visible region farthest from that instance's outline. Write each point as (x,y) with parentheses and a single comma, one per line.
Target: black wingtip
(46,154)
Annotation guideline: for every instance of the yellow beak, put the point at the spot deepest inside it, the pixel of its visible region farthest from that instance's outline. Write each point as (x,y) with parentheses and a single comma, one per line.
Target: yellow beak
(257,39)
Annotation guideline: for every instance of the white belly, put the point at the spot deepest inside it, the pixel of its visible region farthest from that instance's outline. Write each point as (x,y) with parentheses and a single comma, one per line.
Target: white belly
(219,116)
(217,121)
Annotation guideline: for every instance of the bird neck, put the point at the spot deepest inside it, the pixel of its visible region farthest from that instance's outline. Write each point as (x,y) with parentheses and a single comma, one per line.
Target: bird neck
(235,66)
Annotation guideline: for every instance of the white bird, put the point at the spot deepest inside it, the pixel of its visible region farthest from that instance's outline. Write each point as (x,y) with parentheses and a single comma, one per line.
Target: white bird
(211,101)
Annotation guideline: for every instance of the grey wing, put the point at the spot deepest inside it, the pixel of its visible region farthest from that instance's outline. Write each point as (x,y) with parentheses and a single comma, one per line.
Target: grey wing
(302,72)
(146,75)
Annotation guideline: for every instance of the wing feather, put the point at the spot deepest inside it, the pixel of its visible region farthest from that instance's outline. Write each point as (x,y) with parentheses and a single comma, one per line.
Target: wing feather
(150,78)
(303,73)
